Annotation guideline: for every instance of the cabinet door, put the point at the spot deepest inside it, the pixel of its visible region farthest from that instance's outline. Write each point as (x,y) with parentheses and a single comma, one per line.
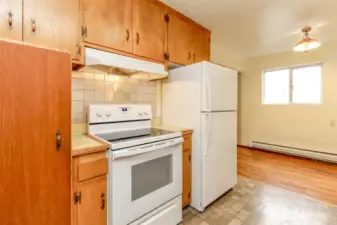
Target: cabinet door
(11,19)
(186,178)
(35,102)
(53,24)
(201,44)
(108,23)
(179,40)
(149,29)
(93,204)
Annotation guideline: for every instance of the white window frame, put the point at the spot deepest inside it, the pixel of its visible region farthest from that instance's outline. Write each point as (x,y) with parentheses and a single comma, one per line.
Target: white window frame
(291,87)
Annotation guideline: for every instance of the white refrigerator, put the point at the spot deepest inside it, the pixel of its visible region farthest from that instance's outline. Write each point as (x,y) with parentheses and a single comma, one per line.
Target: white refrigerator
(203,97)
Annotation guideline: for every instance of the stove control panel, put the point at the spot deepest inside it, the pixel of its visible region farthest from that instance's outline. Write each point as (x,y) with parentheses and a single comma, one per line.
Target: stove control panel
(118,113)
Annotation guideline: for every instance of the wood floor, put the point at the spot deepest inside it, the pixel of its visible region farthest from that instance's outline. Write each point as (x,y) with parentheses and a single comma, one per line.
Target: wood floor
(308,177)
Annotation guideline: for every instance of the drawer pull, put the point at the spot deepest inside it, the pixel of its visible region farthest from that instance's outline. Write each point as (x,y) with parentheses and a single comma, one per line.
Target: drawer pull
(10,20)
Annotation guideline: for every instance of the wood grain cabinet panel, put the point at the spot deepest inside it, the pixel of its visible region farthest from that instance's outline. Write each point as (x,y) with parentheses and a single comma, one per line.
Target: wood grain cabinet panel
(35,101)
(186,196)
(53,23)
(108,23)
(92,208)
(11,19)
(179,39)
(187,170)
(92,165)
(200,44)
(149,29)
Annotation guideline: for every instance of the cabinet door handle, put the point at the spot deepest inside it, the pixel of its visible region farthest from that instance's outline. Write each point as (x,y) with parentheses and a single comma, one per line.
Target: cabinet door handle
(58,140)
(193,57)
(189,55)
(138,38)
(103,201)
(10,20)
(127,35)
(33,22)
(78,50)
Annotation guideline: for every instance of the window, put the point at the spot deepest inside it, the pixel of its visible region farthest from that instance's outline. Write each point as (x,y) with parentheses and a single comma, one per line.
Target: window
(298,85)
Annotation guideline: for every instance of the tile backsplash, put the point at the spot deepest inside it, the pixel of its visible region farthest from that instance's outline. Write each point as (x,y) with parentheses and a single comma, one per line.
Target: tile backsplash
(98,88)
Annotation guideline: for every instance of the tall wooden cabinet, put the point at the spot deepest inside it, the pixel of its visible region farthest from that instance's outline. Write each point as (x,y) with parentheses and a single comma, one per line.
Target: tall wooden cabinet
(35,151)
(11,19)
(108,23)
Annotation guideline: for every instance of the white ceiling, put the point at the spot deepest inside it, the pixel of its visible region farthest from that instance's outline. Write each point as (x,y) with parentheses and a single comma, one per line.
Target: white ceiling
(249,28)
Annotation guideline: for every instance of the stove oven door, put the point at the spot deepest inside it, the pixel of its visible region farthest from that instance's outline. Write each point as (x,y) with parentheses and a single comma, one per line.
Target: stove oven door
(143,182)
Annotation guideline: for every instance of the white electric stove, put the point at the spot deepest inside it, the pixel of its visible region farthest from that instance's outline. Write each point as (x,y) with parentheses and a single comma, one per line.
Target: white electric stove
(145,165)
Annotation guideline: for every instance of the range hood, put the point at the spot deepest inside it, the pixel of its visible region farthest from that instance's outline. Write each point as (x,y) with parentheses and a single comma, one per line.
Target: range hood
(97,60)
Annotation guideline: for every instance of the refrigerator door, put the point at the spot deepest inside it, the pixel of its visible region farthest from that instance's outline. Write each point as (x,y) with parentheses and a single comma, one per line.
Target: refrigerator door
(219,88)
(219,144)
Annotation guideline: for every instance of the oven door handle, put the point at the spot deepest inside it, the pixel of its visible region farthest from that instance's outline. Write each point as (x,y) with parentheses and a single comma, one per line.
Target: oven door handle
(146,148)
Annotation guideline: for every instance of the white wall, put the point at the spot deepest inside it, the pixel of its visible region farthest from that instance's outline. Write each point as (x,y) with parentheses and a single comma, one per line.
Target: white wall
(304,126)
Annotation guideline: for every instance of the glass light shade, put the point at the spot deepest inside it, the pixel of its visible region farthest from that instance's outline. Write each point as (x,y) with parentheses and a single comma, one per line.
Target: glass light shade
(306,45)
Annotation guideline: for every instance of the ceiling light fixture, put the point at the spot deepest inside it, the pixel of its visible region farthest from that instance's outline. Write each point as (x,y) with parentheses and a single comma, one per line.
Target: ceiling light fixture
(307,43)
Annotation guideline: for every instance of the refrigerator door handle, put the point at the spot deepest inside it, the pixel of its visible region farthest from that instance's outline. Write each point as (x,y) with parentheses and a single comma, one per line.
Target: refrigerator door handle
(209,130)
(209,93)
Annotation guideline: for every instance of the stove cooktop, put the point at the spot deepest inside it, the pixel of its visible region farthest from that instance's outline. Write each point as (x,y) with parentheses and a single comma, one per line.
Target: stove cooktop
(134,135)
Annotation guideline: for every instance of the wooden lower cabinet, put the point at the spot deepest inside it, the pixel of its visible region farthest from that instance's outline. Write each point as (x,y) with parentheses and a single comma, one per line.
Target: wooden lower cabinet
(92,208)
(187,170)
(90,189)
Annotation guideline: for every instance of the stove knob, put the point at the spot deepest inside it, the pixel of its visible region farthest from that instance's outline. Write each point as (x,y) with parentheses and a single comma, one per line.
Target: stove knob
(145,114)
(140,114)
(108,114)
(99,114)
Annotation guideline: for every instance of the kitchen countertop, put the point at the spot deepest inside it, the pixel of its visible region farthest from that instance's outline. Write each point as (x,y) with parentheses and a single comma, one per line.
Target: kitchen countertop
(184,131)
(85,144)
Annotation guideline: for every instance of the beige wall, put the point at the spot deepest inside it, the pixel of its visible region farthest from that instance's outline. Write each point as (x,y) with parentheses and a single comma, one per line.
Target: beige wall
(99,88)
(221,55)
(304,126)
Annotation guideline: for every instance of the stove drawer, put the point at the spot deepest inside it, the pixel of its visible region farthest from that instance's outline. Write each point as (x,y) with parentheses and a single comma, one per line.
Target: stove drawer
(167,214)
(90,166)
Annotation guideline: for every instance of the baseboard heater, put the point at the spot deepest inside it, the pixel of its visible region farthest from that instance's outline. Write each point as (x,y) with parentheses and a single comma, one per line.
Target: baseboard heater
(307,153)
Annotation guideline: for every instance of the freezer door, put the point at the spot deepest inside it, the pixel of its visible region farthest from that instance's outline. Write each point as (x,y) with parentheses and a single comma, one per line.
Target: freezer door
(219,88)
(219,143)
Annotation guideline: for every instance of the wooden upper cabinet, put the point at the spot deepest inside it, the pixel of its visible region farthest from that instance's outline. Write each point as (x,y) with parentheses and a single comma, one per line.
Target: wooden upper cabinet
(53,24)
(11,19)
(179,39)
(188,42)
(149,29)
(92,208)
(108,23)
(200,44)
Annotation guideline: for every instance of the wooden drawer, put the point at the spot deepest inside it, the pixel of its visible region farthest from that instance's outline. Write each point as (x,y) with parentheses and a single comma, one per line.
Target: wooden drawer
(90,166)
(187,142)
